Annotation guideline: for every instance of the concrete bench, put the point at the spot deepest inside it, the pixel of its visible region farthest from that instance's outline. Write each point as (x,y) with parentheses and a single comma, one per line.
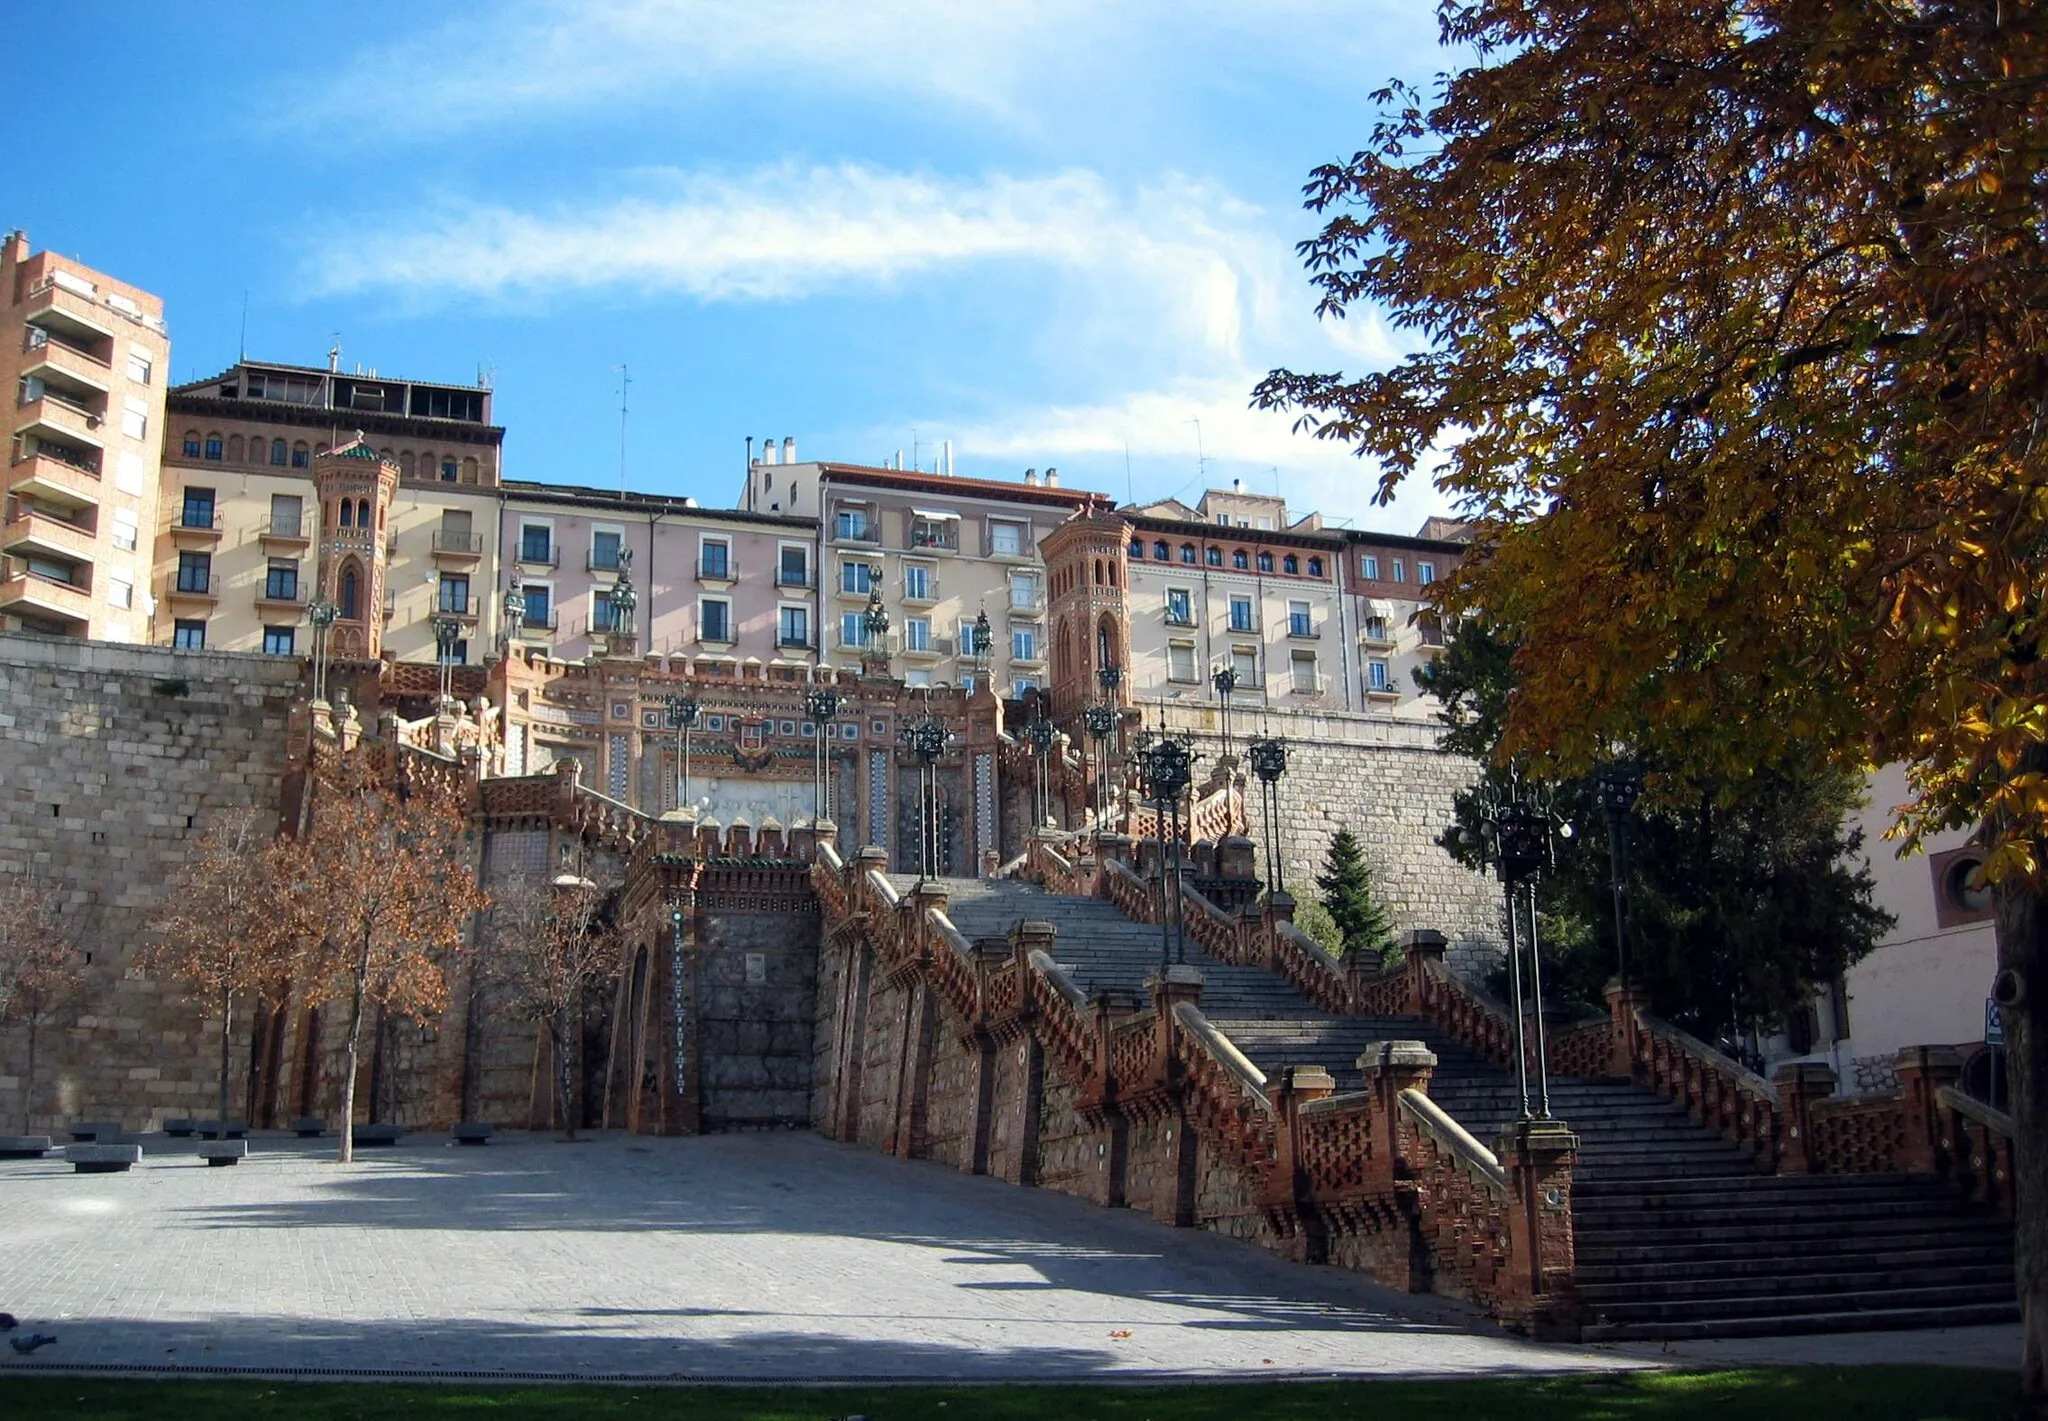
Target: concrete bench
(210,1129)
(102,1159)
(375,1135)
(85,1132)
(473,1132)
(309,1127)
(24,1146)
(220,1152)
(180,1129)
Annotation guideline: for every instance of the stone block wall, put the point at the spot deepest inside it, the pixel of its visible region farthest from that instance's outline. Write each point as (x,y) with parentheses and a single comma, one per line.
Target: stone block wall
(114,760)
(757,1002)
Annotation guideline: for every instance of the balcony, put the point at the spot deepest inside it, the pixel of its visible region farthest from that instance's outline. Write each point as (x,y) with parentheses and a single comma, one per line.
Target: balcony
(862,534)
(851,594)
(55,362)
(465,610)
(538,555)
(716,570)
(281,600)
(715,636)
(538,623)
(50,416)
(798,577)
(196,528)
(934,649)
(937,538)
(1244,626)
(864,644)
(453,549)
(1302,629)
(1376,635)
(89,314)
(56,476)
(603,562)
(788,642)
(1034,657)
(1179,617)
(35,533)
(1305,686)
(29,595)
(193,590)
(925,596)
(285,535)
(1027,599)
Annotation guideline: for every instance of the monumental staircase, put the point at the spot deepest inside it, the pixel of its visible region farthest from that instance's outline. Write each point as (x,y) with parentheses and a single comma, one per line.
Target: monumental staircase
(1689,1199)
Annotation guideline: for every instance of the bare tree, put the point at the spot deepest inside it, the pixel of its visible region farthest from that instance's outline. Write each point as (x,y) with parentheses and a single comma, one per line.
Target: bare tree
(390,882)
(554,943)
(231,922)
(41,966)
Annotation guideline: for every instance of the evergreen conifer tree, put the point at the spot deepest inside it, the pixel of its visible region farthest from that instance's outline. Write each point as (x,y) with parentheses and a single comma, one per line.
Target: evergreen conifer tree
(1346,881)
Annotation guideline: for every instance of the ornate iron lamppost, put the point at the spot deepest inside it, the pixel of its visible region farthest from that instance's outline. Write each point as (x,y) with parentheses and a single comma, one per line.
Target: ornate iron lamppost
(1166,766)
(1620,783)
(1100,720)
(821,705)
(1517,827)
(1269,762)
(927,736)
(1040,734)
(682,714)
(874,624)
(321,613)
(447,633)
(1225,681)
(623,601)
(514,614)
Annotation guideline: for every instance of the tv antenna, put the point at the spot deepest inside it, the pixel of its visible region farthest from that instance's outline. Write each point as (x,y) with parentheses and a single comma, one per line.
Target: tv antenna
(1201,459)
(625,382)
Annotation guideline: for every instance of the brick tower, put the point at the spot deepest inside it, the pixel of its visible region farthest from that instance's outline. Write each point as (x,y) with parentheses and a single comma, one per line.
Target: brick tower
(1091,629)
(356,485)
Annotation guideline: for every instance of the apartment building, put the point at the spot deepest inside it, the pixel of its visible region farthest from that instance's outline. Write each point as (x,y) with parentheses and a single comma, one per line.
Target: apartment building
(1387,582)
(242,519)
(732,593)
(85,357)
(944,552)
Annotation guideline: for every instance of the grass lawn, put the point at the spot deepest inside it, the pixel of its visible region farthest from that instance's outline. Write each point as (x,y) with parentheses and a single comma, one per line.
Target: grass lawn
(1795,1393)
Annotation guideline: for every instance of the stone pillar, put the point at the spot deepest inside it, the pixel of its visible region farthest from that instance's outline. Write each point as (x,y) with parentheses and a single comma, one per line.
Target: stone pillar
(1923,1071)
(1277,909)
(1624,1005)
(1799,1085)
(1286,1186)
(1113,1006)
(1391,1067)
(1236,857)
(1538,1291)
(1420,946)
(913,1076)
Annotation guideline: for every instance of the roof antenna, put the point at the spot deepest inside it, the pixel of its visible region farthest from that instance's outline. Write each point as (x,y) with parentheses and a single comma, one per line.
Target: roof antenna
(245,327)
(1201,459)
(625,380)
(1130,496)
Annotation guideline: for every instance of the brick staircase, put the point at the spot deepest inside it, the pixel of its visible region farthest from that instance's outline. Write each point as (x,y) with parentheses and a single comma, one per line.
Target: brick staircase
(1677,1236)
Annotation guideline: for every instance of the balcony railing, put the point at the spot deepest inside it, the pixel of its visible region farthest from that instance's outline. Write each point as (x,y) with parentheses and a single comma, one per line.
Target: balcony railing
(792,577)
(197,521)
(792,641)
(193,584)
(928,592)
(538,555)
(94,301)
(933,646)
(469,544)
(450,606)
(601,562)
(848,533)
(1179,617)
(82,460)
(282,594)
(285,528)
(539,621)
(1302,627)
(1026,599)
(1244,625)
(715,570)
(716,635)
(945,540)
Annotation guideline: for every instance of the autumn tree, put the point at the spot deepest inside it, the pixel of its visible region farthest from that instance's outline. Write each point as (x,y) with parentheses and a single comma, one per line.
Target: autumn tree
(42,969)
(553,944)
(389,882)
(1731,322)
(230,925)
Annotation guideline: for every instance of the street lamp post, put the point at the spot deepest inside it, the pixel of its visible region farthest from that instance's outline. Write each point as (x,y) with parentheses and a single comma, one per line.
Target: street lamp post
(1518,825)
(1225,681)
(447,632)
(1269,762)
(1040,734)
(1100,720)
(875,624)
(820,705)
(1620,782)
(927,736)
(1167,769)
(682,714)
(623,601)
(321,613)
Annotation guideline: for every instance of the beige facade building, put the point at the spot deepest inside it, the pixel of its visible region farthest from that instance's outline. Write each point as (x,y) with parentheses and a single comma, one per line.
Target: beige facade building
(237,553)
(84,359)
(944,551)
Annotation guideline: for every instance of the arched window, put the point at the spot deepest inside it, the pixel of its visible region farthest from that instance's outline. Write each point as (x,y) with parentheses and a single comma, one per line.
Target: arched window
(213,444)
(469,477)
(1315,567)
(235,450)
(1137,544)
(405,464)
(1105,644)
(1160,552)
(348,513)
(1215,557)
(1265,562)
(362,513)
(1240,559)
(348,592)
(191,443)
(448,468)
(278,452)
(1187,553)
(1098,572)
(300,455)
(427,464)
(1290,564)
(1112,575)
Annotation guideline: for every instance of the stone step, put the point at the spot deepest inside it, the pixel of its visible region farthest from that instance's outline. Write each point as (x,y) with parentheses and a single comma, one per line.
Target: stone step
(1795,1192)
(1735,1210)
(1794,1232)
(1835,1319)
(1607,1295)
(1660,1269)
(1803,1304)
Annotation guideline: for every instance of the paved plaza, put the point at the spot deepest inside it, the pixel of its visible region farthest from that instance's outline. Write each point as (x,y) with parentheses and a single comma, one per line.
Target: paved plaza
(777,1257)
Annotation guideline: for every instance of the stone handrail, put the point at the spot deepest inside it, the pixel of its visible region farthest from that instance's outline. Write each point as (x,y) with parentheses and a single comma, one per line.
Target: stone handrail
(1060,980)
(1456,1141)
(1130,893)
(1208,924)
(1227,1093)
(1714,1089)
(1250,1079)
(1308,964)
(1063,1011)
(1466,1011)
(878,884)
(1977,1112)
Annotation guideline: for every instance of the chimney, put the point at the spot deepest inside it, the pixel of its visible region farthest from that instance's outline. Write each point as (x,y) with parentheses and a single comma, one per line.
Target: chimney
(1237,485)
(947,469)
(1052,478)
(1031,478)
(768,450)
(789,449)
(13,252)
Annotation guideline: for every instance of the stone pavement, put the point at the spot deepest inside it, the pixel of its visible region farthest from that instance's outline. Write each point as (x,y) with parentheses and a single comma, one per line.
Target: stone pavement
(771,1256)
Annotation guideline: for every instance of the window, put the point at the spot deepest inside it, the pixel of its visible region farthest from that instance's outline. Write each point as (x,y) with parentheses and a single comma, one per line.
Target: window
(1376,629)
(917,676)
(191,443)
(536,543)
(1024,593)
(853,629)
(448,469)
(455,593)
(714,558)
(852,523)
(1241,615)
(281,581)
(127,529)
(856,577)
(349,597)
(793,627)
(1180,661)
(277,641)
(1303,665)
(1180,607)
(195,572)
(934,531)
(1137,544)
(1298,623)
(793,567)
(1425,573)
(1244,661)
(601,611)
(198,511)
(917,634)
(1265,562)
(1006,540)
(1400,573)
(286,509)
(278,453)
(213,446)
(120,592)
(1024,643)
(1021,686)
(1315,567)
(1214,557)
(348,513)
(138,365)
(189,634)
(1431,626)
(1187,553)
(917,582)
(604,549)
(1241,560)
(301,456)
(1159,552)
(1379,676)
(714,620)
(135,418)
(1290,565)
(540,610)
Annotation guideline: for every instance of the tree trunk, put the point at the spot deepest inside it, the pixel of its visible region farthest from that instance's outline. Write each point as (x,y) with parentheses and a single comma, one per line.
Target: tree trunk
(565,1072)
(355,1036)
(2022,918)
(227,1018)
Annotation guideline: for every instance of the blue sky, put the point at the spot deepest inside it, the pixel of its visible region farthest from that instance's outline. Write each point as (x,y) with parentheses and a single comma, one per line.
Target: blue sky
(1047,231)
